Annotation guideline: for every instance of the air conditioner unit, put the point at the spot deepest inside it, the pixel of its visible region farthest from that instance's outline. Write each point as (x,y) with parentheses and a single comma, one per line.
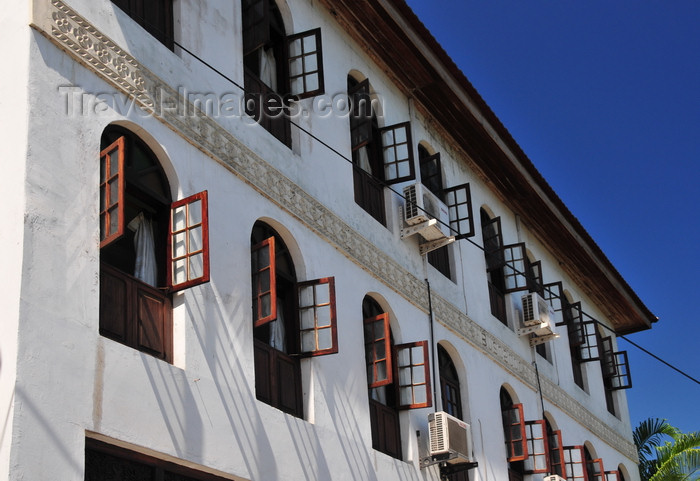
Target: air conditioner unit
(536,310)
(537,318)
(553,477)
(450,438)
(422,206)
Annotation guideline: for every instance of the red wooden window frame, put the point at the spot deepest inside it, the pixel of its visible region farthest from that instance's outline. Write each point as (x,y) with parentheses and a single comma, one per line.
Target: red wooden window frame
(397,153)
(378,348)
(412,374)
(598,470)
(195,246)
(574,463)
(514,429)
(556,453)
(538,460)
(318,330)
(110,179)
(612,476)
(459,205)
(262,289)
(305,62)
(515,267)
(360,115)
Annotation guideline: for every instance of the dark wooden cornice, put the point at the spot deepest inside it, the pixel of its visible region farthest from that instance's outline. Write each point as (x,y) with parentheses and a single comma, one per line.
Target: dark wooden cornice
(393,36)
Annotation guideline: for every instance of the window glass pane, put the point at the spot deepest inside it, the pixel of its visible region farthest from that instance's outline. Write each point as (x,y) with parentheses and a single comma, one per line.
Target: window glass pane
(179,219)
(179,271)
(196,266)
(179,245)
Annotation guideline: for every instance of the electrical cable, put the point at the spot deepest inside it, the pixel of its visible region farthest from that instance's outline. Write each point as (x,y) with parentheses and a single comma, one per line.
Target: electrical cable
(388,186)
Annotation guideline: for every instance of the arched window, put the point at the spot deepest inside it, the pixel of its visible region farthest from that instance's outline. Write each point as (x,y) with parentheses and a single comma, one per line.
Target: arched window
(278,68)
(150,247)
(449,385)
(555,449)
(515,435)
(379,155)
(594,467)
(291,320)
(493,242)
(398,377)
(431,177)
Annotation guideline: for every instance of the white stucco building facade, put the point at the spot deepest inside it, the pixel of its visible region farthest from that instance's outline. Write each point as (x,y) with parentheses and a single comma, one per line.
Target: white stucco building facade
(272,340)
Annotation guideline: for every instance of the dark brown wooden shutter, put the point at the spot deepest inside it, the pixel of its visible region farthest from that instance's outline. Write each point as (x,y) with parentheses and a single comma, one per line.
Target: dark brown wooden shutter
(431,173)
(360,115)
(378,350)
(412,375)
(318,330)
(188,242)
(493,241)
(112,183)
(553,293)
(305,63)
(397,153)
(459,205)
(515,267)
(264,282)
(612,476)
(154,328)
(256,24)
(113,303)
(589,350)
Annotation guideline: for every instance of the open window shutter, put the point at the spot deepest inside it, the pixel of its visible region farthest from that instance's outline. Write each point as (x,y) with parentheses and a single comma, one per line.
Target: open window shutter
(589,350)
(431,173)
(256,24)
(459,205)
(553,293)
(622,378)
(612,476)
(493,241)
(537,447)
(112,192)
(305,60)
(188,242)
(514,429)
(378,350)
(515,267)
(574,459)
(607,357)
(397,149)
(596,471)
(412,373)
(317,318)
(535,277)
(556,453)
(360,115)
(264,282)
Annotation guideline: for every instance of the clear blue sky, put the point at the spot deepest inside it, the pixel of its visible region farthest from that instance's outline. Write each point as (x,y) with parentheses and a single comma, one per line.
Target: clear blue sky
(604,98)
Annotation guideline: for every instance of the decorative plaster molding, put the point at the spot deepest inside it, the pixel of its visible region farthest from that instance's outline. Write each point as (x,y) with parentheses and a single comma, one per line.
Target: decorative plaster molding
(73,34)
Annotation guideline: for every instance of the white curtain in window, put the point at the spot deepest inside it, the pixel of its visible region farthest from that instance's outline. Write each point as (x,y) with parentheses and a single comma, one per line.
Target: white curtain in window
(268,68)
(363,159)
(277,331)
(145,268)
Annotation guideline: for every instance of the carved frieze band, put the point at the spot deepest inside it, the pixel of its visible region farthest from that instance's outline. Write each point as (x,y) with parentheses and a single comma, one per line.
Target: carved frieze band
(72,33)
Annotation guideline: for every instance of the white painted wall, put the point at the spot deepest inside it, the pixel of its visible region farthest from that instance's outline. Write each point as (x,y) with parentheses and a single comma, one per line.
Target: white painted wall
(202,409)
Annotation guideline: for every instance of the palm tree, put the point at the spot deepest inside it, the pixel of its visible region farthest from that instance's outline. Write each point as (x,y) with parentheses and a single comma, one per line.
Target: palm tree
(661,460)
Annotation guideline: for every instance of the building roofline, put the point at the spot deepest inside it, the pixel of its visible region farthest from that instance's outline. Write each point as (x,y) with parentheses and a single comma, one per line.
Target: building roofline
(395,37)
